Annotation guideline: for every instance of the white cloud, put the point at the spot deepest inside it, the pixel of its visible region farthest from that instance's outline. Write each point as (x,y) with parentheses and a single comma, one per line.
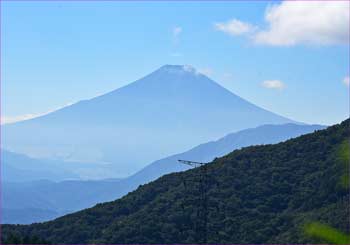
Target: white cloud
(189,68)
(13,119)
(177,31)
(18,118)
(205,71)
(310,22)
(273,84)
(227,76)
(234,27)
(297,22)
(346,81)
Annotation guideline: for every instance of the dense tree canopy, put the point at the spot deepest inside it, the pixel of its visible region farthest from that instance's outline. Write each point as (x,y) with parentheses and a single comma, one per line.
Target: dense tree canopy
(259,194)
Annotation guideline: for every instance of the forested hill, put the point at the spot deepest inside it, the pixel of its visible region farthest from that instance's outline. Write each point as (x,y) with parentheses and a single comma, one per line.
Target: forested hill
(260,194)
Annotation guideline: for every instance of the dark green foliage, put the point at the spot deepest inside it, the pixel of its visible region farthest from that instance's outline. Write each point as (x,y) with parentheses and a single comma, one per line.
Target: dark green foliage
(259,194)
(325,233)
(12,238)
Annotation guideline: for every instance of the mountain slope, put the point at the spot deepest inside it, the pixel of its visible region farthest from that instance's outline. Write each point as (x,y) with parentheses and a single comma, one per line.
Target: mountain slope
(260,194)
(173,108)
(68,196)
(266,134)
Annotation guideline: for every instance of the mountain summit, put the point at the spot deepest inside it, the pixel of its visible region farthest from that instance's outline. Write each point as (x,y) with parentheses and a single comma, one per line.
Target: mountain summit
(165,112)
(178,69)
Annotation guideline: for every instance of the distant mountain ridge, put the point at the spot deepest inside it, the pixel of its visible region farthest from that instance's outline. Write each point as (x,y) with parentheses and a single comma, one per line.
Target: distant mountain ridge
(56,199)
(165,112)
(19,168)
(257,195)
(206,152)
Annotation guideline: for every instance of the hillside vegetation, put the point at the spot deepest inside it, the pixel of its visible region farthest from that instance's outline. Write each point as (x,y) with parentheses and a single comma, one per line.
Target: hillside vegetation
(39,201)
(259,194)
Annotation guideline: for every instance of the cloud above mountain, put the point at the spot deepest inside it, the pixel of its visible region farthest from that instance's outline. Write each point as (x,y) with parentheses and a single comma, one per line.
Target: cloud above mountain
(12,119)
(206,71)
(234,27)
(176,32)
(273,84)
(291,23)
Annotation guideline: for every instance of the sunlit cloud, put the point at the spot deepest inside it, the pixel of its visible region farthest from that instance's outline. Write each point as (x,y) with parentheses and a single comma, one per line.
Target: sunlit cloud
(297,22)
(234,27)
(273,84)
(227,76)
(206,71)
(177,31)
(18,118)
(313,22)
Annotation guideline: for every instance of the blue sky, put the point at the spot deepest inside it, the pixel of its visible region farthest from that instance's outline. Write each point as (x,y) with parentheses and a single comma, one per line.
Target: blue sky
(290,58)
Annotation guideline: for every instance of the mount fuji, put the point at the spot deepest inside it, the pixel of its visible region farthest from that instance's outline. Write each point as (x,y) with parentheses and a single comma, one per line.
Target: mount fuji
(165,112)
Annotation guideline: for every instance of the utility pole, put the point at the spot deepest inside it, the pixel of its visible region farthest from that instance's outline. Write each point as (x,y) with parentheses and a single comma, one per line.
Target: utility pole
(202,212)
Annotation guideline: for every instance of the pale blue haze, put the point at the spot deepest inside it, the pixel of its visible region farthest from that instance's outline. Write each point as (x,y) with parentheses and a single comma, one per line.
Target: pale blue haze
(57,198)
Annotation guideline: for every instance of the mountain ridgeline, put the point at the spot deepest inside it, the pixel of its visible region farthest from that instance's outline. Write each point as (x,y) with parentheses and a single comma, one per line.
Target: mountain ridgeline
(173,108)
(37,201)
(259,194)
